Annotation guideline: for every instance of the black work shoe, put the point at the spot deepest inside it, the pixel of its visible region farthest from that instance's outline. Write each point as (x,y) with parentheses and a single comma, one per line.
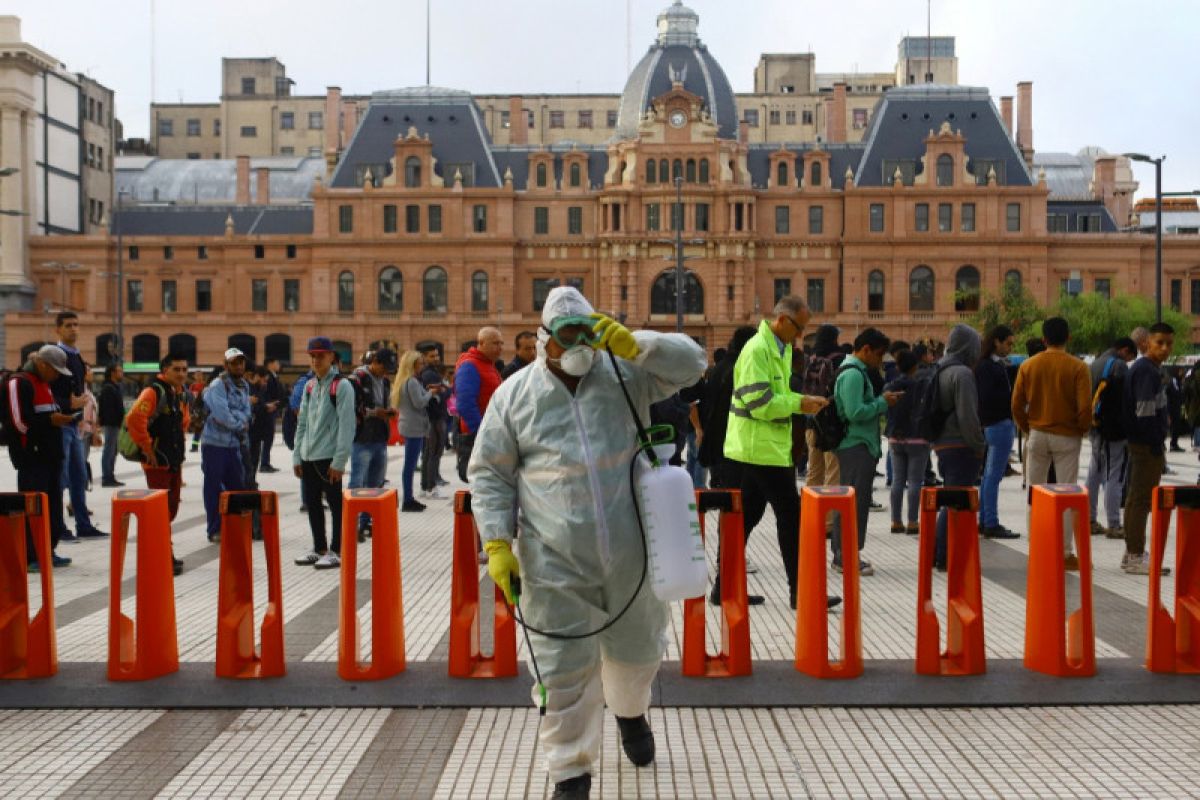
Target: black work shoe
(176,565)
(637,740)
(831,602)
(999,532)
(714,597)
(577,788)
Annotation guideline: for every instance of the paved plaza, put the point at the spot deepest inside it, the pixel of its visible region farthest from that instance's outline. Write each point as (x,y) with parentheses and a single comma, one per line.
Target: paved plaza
(1124,733)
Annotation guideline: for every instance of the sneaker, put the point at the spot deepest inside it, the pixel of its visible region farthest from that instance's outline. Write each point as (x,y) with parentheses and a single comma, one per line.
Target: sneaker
(33,566)
(195,447)
(897,527)
(412,505)
(1071,562)
(912,529)
(434,494)
(176,565)
(1097,529)
(876,506)
(69,537)
(836,566)
(110,483)
(303,508)
(751,567)
(1114,533)
(577,788)
(999,532)
(1140,565)
(268,468)
(328,561)
(214,538)
(865,568)
(308,559)
(59,561)
(637,740)
(93,533)
(441,482)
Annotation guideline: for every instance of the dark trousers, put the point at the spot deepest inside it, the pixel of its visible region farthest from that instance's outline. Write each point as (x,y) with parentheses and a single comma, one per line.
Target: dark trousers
(777,486)
(257,446)
(857,468)
(169,479)
(224,471)
(725,474)
(1145,472)
(960,467)
(435,445)
(315,485)
(108,456)
(43,477)
(466,442)
(267,441)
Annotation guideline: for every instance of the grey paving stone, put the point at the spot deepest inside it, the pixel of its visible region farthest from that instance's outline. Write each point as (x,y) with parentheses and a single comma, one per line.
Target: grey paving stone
(408,755)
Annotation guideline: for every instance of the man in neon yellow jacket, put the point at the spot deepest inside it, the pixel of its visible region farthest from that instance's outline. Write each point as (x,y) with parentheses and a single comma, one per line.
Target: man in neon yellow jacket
(759,436)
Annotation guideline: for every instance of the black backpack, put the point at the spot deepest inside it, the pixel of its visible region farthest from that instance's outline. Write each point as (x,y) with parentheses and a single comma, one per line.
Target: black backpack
(828,425)
(928,416)
(1107,416)
(8,436)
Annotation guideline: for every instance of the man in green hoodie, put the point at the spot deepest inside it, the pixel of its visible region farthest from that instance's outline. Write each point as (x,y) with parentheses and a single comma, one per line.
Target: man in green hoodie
(860,450)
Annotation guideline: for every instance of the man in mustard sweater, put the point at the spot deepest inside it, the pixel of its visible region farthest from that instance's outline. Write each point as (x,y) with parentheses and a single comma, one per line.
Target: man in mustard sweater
(1052,404)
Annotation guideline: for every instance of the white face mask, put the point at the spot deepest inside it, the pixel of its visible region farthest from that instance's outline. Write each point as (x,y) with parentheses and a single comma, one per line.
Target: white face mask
(577,360)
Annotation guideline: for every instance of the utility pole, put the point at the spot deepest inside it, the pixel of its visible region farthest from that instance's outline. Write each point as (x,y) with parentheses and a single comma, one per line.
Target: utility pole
(120,348)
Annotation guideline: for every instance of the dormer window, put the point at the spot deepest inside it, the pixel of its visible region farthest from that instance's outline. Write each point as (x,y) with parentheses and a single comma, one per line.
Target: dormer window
(412,172)
(945,170)
(540,175)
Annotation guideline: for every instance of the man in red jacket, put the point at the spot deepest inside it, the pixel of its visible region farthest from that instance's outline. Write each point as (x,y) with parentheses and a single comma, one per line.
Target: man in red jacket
(475,378)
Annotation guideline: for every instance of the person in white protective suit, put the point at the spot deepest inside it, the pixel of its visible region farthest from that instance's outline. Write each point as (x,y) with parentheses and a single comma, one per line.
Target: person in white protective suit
(552,460)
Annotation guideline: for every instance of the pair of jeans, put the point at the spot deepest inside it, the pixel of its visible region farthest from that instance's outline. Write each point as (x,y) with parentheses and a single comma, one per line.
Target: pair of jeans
(1106,468)
(694,467)
(435,445)
(999,437)
(74,478)
(224,471)
(314,485)
(857,467)
(412,455)
(960,467)
(108,456)
(1145,472)
(761,485)
(368,468)
(43,477)
(908,461)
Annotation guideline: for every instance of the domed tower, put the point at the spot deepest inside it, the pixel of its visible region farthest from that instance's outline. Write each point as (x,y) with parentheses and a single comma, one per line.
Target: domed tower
(678,57)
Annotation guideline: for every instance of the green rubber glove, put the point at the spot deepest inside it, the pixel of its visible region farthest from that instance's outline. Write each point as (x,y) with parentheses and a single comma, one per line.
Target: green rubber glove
(614,336)
(502,564)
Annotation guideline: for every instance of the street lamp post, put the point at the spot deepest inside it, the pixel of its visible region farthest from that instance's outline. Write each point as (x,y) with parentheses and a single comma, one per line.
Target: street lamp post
(677,219)
(120,349)
(1158,212)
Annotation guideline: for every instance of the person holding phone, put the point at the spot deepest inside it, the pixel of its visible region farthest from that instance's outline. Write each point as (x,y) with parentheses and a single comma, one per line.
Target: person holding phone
(368,455)
(412,398)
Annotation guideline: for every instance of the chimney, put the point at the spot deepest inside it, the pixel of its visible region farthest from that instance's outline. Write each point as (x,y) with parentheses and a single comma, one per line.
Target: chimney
(518,126)
(262,191)
(333,104)
(1006,114)
(349,111)
(1025,120)
(743,132)
(242,197)
(836,121)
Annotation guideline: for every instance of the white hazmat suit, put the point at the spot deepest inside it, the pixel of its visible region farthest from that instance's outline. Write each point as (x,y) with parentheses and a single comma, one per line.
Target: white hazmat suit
(556,466)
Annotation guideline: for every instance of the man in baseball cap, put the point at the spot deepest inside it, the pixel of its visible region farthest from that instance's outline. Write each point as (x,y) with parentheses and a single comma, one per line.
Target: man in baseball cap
(226,434)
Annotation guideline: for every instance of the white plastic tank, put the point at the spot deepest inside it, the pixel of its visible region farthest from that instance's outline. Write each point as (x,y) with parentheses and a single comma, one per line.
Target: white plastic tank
(678,570)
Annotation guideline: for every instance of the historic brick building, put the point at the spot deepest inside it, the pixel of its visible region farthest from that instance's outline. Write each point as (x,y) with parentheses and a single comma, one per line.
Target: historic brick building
(426,229)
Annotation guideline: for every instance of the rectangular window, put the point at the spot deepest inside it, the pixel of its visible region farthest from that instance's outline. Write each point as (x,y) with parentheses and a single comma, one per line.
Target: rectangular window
(816,294)
(194,156)
(193,127)
(258,294)
(922,217)
(702,217)
(1195,306)
(247,85)
(202,252)
(134,296)
(287,120)
(575,220)
(751,117)
(806,116)
(877,218)
(166,127)
(1056,223)
(291,294)
(134,253)
(316,120)
(389,219)
(168,253)
(773,116)
(739,216)
(676,216)
(557,119)
(816,219)
(169,303)
(1012,213)
(345,219)
(783,287)
(945,217)
(610,119)
(479,219)
(435,219)
(216,129)
(967,223)
(260,251)
(541,220)
(412,219)
(653,217)
(204,295)
(860,119)
(585,119)
(783,219)
(789,117)
(249,131)
(505,120)
(1104,287)
(289,251)
(541,288)
(1176,294)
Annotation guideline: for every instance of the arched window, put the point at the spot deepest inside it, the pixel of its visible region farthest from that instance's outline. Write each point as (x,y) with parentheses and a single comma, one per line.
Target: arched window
(945,170)
(278,345)
(704,170)
(966,289)
(247,344)
(435,290)
(662,171)
(920,289)
(412,172)
(346,291)
(1012,281)
(875,284)
(781,174)
(690,176)
(184,346)
(391,290)
(662,294)
(814,179)
(676,170)
(540,172)
(106,349)
(146,348)
(576,175)
(479,291)
(652,171)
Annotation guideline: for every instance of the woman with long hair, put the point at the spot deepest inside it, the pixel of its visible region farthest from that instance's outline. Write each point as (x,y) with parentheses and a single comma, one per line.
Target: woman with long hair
(412,399)
(995,415)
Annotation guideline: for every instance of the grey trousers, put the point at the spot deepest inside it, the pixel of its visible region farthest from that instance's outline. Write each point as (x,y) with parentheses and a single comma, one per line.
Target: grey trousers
(857,467)
(1106,468)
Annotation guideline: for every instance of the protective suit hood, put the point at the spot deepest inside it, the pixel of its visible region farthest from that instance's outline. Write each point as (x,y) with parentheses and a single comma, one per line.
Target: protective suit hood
(563,301)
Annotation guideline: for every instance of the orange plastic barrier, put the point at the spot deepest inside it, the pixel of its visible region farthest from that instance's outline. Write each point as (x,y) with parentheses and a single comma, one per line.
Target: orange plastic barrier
(812,635)
(28,647)
(964,654)
(734,657)
(465,659)
(150,648)
(387,607)
(1055,643)
(236,655)
(1173,644)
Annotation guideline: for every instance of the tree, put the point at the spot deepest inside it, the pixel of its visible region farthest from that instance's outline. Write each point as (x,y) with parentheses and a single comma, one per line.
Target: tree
(1096,321)
(1014,306)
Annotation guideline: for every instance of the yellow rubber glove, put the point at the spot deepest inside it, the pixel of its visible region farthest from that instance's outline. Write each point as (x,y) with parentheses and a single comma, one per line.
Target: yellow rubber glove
(614,336)
(502,565)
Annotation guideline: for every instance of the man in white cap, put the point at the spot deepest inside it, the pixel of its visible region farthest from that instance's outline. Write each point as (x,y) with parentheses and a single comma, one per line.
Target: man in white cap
(226,432)
(552,458)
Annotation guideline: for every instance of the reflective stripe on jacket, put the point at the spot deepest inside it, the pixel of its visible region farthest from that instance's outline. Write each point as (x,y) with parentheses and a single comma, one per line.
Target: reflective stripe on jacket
(760,415)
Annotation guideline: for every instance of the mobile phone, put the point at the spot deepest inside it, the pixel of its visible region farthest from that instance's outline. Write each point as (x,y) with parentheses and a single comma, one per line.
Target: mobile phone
(77,416)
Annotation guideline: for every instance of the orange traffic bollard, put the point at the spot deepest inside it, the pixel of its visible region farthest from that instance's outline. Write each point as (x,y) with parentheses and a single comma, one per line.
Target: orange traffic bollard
(387,607)
(964,654)
(150,648)
(1173,644)
(28,647)
(1055,643)
(236,654)
(465,659)
(812,633)
(734,658)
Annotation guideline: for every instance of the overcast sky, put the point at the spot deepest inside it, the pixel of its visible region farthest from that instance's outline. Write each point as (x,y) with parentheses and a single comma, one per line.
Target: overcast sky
(1124,76)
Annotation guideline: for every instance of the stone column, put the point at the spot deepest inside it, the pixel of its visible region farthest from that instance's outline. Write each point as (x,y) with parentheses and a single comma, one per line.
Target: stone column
(13,269)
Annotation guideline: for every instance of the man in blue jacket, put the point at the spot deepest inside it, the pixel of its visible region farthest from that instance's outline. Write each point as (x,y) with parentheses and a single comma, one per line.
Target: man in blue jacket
(226,433)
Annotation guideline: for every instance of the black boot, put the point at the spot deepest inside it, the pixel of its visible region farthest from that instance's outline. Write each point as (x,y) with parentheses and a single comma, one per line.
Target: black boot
(637,740)
(577,788)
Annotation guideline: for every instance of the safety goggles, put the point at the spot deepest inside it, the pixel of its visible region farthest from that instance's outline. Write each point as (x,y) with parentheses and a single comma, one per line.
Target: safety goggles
(573,330)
